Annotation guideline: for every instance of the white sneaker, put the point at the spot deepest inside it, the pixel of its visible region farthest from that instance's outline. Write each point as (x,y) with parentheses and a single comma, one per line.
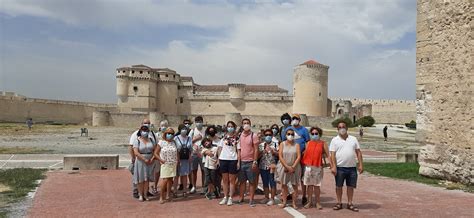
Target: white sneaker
(140,198)
(193,190)
(229,202)
(223,201)
(270,203)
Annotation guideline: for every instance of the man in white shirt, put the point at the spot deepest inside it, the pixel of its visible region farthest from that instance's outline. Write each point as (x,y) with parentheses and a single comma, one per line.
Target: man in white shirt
(344,150)
(197,134)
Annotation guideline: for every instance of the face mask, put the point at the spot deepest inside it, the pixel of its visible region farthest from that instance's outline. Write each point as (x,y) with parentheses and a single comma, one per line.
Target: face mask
(169,136)
(314,137)
(184,132)
(163,129)
(286,122)
(212,134)
(146,124)
(230,129)
(199,125)
(144,134)
(290,138)
(246,127)
(275,131)
(342,131)
(295,122)
(268,138)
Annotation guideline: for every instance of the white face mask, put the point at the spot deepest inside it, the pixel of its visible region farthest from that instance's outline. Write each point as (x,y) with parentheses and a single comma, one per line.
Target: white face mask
(290,137)
(295,122)
(342,131)
(246,127)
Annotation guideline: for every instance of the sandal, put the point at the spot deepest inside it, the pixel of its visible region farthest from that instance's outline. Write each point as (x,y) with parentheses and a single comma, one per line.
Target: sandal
(318,206)
(308,205)
(338,206)
(352,207)
(282,205)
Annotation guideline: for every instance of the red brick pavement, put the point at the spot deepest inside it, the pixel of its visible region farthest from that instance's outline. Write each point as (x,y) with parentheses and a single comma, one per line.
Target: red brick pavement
(107,194)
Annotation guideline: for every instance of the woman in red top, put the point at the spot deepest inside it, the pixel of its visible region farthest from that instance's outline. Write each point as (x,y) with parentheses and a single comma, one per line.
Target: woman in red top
(312,160)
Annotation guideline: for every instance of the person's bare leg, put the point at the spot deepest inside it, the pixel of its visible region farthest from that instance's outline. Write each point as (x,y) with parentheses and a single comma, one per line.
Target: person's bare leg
(175,184)
(157,179)
(225,178)
(339,194)
(350,194)
(184,182)
(163,190)
(284,192)
(295,195)
(232,178)
(140,189)
(169,183)
(273,193)
(303,189)
(146,187)
(266,193)
(310,196)
(253,187)
(317,196)
(242,186)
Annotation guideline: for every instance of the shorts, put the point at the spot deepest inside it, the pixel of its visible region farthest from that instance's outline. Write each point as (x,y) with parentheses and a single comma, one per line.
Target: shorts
(349,174)
(168,170)
(228,166)
(313,176)
(210,177)
(246,172)
(268,179)
(195,162)
(184,168)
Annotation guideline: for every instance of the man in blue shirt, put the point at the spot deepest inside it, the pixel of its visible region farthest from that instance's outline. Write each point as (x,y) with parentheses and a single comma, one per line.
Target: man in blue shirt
(301,137)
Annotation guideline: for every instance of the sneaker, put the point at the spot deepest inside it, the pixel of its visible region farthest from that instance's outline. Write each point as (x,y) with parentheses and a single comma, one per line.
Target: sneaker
(193,190)
(140,198)
(264,201)
(229,202)
(180,187)
(208,196)
(150,194)
(223,201)
(270,203)
(136,195)
(252,203)
(190,186)
(216,194)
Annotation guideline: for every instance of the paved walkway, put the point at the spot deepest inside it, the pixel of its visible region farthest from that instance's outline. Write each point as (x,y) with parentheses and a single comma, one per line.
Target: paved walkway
(107,194)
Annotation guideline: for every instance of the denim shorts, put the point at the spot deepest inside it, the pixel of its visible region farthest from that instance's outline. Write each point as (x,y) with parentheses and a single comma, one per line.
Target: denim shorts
(268,179)
(246,172)
(349,174)
(228,166)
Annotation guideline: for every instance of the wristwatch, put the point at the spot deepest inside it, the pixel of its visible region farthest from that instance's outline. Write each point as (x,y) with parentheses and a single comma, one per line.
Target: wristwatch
(255,162)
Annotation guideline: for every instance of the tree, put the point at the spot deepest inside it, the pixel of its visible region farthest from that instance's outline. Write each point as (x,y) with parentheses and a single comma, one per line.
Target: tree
(366,121)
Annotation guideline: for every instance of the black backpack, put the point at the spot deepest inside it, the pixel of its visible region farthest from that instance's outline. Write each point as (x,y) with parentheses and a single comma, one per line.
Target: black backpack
(185,151)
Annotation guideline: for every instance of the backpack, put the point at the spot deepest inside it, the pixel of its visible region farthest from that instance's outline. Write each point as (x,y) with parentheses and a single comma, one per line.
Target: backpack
(185,151)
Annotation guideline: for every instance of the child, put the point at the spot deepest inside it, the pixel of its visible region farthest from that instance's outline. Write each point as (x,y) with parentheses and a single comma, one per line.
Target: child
(209,151)
(268,152)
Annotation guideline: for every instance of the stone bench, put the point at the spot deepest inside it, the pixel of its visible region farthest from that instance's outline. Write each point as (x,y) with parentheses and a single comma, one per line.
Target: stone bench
(406,157)
(91,162)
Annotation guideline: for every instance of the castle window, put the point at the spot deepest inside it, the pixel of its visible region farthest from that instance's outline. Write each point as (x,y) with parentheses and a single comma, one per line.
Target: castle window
(320,94)
(179,87)
(123,71)
(166,75)
(141,72)
(175,101)
(135,89)
(133,71)
(181,100)
(174,76)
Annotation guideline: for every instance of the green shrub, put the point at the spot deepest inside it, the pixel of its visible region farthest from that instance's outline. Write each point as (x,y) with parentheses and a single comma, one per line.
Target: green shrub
(347,120)
(411,125)
(366,121)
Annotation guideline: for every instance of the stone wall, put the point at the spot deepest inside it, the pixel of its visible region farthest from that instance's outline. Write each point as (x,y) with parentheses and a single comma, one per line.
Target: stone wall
(275,107)
(18,109)
(445,98)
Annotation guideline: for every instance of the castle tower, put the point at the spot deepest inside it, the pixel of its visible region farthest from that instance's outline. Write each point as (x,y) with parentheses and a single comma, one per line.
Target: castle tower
(167,91)
(236,94)
(310,89)
(136,89)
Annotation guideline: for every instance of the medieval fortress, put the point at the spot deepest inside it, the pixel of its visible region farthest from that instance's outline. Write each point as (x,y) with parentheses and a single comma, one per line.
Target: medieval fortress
(162,93)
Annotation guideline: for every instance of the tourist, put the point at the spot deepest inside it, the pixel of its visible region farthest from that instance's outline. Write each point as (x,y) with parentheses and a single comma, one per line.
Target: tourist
(133,139)
(385,135)
(301,137)
(209,153)
(344,149)
(197,135)
(288,168)
(143,149)
(268,151)
(228,161)
(285,121)
(159,134)
(248,157)
(316,151)
(184,145)
(276,134)
(361,131)
(29,123)
(212,134)
(167,154)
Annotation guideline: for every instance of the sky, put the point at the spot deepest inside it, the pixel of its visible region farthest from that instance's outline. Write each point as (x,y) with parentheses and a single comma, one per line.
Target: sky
(70,50)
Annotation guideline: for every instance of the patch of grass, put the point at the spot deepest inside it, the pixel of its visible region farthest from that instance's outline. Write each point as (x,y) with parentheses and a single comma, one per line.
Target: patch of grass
(23,150)
(19,181)
(406,171)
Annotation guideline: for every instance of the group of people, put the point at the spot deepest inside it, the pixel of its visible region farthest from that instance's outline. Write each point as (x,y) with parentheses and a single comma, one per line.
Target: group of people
(233,159)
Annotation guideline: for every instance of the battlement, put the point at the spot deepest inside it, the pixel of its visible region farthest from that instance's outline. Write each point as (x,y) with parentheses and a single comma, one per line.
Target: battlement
(388,102)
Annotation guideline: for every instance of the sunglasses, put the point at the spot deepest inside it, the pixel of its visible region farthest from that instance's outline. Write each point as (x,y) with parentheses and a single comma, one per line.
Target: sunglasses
(314,133)
(268,135)
(290,134)
(295,118)
(144,128)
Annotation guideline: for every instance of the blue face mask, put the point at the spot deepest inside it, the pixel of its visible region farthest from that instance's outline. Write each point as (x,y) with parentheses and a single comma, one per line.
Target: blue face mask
(268,138)
(199,125)
(163,129)
(169,136)
(314,137)
(286,122)
(275,131)
(230,129)
(144,134)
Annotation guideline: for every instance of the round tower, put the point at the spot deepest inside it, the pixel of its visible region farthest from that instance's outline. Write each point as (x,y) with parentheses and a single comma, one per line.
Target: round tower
(122,82)
(310,89)
(236,93)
